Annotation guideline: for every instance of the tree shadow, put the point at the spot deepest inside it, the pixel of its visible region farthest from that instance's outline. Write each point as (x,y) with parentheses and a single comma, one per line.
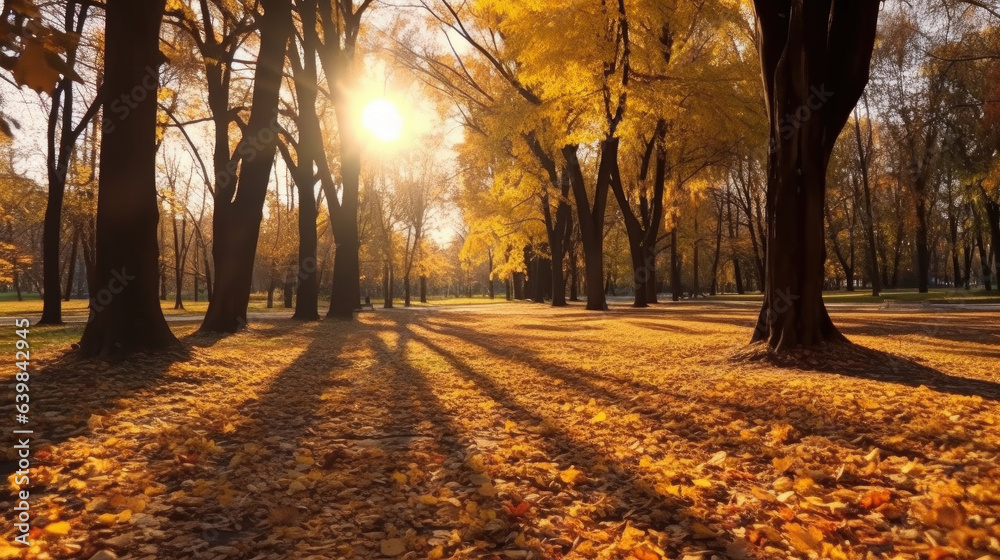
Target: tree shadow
(852,360)
(616,388)
(70,394)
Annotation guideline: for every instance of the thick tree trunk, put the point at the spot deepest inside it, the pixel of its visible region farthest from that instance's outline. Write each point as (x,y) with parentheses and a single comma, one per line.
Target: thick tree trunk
(815,59)
(591,219)
(238,211)
(406,290)
(346,296)
(271,286)
(423,289)
(125,312)
(993,222)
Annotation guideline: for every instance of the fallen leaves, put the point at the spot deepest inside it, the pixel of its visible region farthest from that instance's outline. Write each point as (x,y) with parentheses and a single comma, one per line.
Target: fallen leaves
(418,440)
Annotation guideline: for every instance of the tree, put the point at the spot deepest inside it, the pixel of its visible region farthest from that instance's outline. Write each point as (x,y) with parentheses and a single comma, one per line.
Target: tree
(125,313)
(815,60)
(239,201)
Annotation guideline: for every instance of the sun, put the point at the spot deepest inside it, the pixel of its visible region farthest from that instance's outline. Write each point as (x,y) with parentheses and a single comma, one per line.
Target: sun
(381,118)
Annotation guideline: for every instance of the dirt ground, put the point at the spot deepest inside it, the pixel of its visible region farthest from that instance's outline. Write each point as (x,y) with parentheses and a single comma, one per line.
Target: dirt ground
(520,431)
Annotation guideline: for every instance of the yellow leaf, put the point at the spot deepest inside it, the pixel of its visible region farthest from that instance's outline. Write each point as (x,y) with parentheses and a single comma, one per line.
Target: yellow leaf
(487,490)
(32,68)
(782,464)
(804,540)
(509,426)
(107,519)
(599,417)
(572,475)
(645,553)
(58,528)
(436,553)
(428,500)
(125,516)
(631,538)
(399,477)
(702,482)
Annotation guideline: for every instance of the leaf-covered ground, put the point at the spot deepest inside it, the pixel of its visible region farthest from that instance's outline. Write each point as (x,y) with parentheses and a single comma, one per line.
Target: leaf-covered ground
(521,431)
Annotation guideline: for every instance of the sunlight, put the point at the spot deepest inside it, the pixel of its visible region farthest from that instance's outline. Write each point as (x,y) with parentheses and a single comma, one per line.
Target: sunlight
(382,119)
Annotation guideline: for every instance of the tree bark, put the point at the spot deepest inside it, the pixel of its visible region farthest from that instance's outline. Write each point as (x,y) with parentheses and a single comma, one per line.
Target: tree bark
(815,60)
(71,270)
(423,289)
(238,211)
(591,219)
(864,153)
(676,291)
(59,152)
(125,313)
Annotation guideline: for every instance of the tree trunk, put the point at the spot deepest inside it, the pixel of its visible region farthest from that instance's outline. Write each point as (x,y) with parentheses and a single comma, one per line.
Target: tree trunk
(984,259)
(718,251)
(591,219)
(993,222)
(197,270)
(238,211)
(423,289)
(307,301)
(387,285)
(815,59)
(675,268)
(696,289)
(923,251)
(208,274)
(310,141)
(71,270)
(125,313)
(288,293)
(59,151)
(346,296)
(868,220)
(270,293)
(406,289)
